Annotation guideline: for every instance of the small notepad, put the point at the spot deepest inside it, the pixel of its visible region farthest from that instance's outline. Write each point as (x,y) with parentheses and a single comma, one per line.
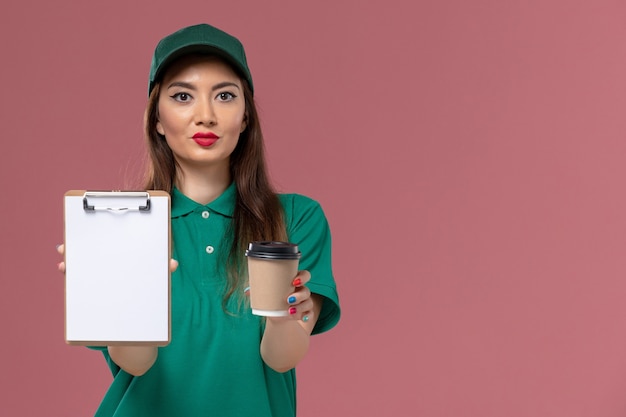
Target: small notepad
(117,280)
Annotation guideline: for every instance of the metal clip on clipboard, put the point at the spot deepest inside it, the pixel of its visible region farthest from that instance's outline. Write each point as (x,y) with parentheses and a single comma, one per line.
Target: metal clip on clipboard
(106,198)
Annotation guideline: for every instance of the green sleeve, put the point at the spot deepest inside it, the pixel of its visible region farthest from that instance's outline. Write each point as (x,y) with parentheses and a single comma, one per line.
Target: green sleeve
(307,227)
(112,365)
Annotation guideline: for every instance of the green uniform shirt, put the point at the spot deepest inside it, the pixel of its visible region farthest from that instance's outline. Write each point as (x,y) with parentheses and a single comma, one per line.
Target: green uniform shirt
(213,366)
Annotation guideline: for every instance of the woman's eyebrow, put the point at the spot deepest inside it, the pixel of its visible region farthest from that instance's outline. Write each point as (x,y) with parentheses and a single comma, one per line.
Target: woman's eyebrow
(224,84)
(182,84)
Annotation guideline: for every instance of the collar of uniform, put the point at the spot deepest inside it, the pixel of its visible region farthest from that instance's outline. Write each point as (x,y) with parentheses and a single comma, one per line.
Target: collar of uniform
(224,204)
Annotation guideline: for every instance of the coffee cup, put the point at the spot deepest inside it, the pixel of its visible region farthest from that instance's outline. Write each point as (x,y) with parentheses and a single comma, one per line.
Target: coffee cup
(272,266)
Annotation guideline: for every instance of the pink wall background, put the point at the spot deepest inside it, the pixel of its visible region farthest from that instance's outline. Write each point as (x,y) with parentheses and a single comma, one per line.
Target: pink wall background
(470,157)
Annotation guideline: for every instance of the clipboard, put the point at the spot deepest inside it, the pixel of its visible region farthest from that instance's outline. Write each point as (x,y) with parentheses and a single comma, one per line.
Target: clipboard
(117,279)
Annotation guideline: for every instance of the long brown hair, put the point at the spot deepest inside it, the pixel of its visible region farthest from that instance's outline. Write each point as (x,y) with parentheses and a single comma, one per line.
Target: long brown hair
(258,214)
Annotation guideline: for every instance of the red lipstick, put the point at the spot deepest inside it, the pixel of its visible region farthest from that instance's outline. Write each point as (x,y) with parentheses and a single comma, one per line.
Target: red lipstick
(205,138)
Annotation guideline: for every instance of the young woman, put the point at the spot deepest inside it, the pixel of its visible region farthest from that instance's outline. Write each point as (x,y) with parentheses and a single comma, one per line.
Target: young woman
(206,149)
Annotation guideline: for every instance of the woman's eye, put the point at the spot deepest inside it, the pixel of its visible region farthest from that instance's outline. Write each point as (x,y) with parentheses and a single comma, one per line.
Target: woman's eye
(225,96)
(181,97)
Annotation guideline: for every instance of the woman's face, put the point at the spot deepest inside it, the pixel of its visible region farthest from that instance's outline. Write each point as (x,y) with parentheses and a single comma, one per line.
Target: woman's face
(201,111)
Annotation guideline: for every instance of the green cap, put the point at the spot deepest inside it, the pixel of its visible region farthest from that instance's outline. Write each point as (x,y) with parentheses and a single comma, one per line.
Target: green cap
(202,39)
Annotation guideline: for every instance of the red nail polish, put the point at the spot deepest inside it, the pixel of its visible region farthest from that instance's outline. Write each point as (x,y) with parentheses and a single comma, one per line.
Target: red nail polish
(292,310)
(297,282)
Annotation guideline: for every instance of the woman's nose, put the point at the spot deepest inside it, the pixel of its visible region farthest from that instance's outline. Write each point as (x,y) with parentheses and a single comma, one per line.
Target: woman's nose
(205,113)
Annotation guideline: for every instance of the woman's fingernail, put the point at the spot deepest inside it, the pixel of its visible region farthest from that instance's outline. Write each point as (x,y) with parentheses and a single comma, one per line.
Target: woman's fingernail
(297,282)
(305,319)
(247,289)
(292,310)
(291,300)
(57,246)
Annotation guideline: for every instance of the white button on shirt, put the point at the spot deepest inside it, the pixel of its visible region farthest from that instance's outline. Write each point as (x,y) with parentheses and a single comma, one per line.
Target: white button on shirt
(209,249)
(205,214)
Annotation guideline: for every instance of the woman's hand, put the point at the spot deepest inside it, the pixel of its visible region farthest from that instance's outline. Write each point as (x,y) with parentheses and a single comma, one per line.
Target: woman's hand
(300,302)
(61,265)
(286,339)
(303,305)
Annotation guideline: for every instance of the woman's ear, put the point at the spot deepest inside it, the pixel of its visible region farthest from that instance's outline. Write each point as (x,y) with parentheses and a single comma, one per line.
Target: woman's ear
(244,123)
(159,128)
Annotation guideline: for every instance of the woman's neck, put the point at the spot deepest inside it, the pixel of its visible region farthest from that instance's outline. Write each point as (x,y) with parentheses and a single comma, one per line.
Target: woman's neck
(203,185)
